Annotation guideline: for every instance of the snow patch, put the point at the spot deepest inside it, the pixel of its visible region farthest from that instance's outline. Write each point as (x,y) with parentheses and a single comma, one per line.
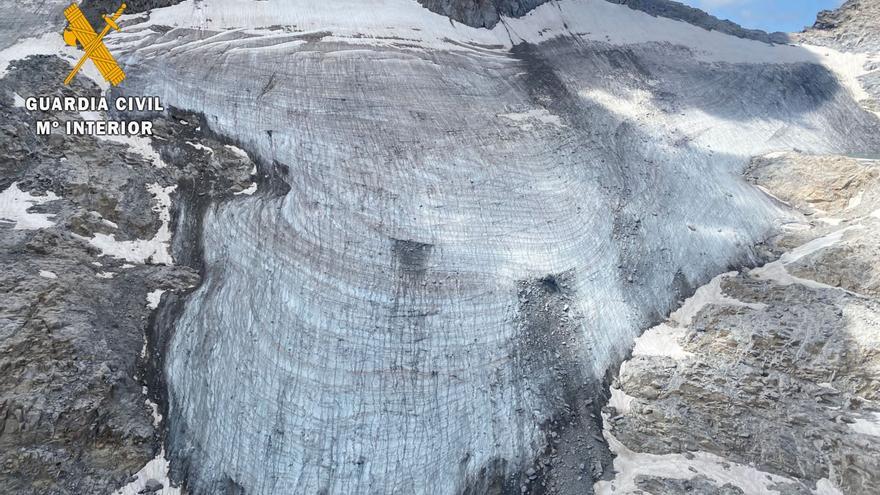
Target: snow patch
(14,206)
(855,201)
(825,487)
(251,189)
(50,43)
(834,222)
(47,44)
(200,147)
(141,146)
(48,274)
(157,416)
(620,401)
(869,426)
(848,67)
(156,469)
(238,151)
(775,197)
(154,298)
(661,340)
(526,120)
(155,250)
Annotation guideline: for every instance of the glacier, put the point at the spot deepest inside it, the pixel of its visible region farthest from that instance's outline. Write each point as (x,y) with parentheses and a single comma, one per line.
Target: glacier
(468,227)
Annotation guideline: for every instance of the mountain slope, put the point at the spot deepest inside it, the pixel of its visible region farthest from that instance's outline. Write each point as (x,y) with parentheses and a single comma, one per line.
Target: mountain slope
(853,28)
(454,232)
(441,290)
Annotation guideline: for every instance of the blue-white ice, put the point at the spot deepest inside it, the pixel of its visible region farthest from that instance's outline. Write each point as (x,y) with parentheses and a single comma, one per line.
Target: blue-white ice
(358,334)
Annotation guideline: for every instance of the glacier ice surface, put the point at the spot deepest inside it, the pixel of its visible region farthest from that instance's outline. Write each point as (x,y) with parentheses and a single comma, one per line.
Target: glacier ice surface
(369,330)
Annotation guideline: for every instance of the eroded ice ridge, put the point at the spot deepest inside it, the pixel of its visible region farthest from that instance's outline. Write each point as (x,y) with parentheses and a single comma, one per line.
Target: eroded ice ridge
(443,281)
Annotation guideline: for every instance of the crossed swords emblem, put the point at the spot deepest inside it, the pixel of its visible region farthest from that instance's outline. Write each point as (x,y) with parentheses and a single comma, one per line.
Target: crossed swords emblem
(80,31)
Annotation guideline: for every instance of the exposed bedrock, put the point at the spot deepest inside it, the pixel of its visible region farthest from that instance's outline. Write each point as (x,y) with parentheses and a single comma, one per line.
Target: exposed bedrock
(72,416)
(84,265)
(776,368)
(471,237)
(94,9)
(853,26)
(481,13)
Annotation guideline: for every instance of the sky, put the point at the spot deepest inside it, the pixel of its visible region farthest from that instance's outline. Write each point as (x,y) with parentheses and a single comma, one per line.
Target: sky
(769,15)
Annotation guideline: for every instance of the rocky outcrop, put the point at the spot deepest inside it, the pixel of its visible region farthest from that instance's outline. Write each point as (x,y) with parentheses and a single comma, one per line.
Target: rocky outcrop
(852,27)
(74,417)
(481,13)
(776,367)
(94,9)
(73,321)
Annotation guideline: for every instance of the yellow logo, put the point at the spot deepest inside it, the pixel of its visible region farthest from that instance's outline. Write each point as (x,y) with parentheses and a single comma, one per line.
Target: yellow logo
(93,44)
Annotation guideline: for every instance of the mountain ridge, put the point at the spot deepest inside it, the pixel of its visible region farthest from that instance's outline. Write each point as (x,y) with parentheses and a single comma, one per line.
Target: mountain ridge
(488,13)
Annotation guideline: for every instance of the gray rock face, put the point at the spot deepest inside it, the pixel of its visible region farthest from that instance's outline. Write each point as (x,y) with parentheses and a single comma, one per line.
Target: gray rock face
(753,393)
(94,9)
(73,417)
(481,13)
(783,371)
(851,27)
(655,485)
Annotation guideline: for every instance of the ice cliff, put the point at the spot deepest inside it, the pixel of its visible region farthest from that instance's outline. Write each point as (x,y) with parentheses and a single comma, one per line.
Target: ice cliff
(458,230)
(478,224)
